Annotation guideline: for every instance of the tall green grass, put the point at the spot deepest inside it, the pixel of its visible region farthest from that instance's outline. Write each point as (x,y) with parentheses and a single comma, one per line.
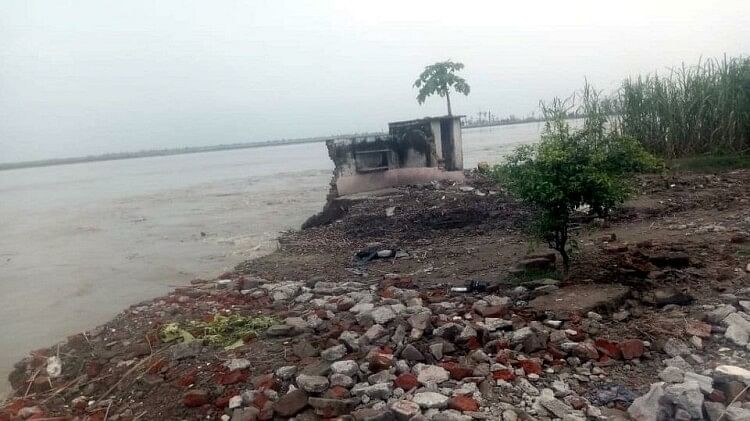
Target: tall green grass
(699,109)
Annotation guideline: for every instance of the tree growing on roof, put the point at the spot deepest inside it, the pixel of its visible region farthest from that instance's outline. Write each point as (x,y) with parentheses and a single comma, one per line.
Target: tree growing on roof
(440,78)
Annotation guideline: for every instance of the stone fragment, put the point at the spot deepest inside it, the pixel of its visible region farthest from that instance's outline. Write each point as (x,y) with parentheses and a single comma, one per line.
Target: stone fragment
(184,350)
(730,372)
(350,339)
(312,384)
(429,400)
(375,332)
(411,353)
(381,377)
(672,375)
(687,396)
(245,414)
(720,313)
(419,321)
(714,410)
(334,353)
(675,347)
(304,349)
(329,408)
(648,407)
(679,362)
(448,331)
(737,334)
(237,364)
(586,350)
(698,328)
(291,403)
(558,408)
(405,410)
(375,391)
(280,330)
(451,415)
(347,367)
(338,379)
(286,372)
(704,382)
(436,350)
(235,402)
(376,413)
(383,314)
(432,374)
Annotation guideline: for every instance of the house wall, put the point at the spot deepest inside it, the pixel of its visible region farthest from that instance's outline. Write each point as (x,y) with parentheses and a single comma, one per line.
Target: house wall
(458,145)
(409,154)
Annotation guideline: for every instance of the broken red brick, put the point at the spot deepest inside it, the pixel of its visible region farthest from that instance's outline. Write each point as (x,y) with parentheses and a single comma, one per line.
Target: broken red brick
(337,392)
(195,398)
(463,403)
(505,374)
(233,377)
(260,400)
(157,366)
(93,369)
(456,370)
(473,343)
(380,361)
(608,348)
(531,366)
(632,348)
(492,311)
(187,379)
(15,406)
(554,352)
(406,381)
(698,328)
(717,396)
(266,381)
(504,356)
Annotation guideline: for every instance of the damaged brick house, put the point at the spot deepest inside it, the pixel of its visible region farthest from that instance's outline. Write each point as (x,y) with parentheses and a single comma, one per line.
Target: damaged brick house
(414,151)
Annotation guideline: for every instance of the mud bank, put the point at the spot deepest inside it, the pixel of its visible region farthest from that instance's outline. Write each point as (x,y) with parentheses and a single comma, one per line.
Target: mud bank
(356,320)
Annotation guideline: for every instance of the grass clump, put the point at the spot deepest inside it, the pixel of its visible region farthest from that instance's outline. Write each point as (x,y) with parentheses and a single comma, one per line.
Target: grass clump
(710,163)
(698,109)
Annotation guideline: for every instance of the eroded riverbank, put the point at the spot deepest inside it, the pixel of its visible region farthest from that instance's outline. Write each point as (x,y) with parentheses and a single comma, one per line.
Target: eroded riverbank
(678,249)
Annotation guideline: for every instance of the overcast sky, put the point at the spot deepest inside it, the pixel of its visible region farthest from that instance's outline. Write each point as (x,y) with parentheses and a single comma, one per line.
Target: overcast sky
(89,77)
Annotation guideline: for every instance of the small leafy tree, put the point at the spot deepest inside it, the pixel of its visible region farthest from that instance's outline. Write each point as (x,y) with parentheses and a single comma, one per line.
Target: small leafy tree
(572,168)
(440,78)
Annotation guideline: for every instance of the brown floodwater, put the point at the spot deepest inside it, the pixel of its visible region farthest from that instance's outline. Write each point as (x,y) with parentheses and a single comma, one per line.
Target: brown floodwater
(78,243)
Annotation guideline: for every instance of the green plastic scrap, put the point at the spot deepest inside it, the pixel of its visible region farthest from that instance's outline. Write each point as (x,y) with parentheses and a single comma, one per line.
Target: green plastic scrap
(173,331)
(226,331)
(229,331)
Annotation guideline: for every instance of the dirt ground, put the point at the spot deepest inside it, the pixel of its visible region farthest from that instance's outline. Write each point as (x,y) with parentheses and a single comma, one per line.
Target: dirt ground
(685,233)
(453,236)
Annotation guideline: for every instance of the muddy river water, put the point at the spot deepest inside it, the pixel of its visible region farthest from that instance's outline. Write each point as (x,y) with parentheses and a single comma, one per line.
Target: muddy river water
(78,243)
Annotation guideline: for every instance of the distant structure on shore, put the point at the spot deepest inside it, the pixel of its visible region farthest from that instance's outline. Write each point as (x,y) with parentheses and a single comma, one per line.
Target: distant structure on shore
(487,119)
(413,152)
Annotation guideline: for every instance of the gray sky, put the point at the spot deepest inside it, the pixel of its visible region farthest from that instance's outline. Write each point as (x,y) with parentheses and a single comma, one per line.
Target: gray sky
(89,77)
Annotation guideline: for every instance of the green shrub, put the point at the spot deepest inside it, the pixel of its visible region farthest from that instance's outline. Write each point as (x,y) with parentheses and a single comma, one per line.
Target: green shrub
(571,168)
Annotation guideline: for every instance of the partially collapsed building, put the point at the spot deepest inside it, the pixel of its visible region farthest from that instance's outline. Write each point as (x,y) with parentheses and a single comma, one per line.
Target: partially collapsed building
(414,151)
